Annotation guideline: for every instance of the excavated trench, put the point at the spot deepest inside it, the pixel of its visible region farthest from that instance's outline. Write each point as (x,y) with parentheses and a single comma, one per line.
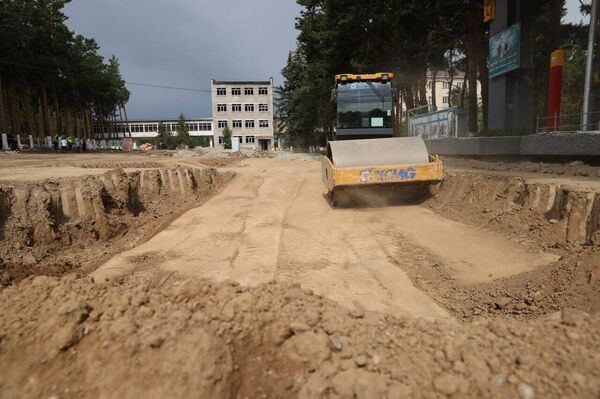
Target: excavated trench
(161,337)
(543,216)
(58,226)
(556,212)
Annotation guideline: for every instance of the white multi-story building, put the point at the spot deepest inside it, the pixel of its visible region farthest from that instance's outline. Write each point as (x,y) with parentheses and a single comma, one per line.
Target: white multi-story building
(247,108)
(445,86)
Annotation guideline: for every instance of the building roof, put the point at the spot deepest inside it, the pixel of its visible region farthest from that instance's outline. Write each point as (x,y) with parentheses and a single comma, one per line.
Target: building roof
(242,82)
(205,119)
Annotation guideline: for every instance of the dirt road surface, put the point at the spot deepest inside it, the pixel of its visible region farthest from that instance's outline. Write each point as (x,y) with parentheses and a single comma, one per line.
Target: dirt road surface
(211,275)
(274,222)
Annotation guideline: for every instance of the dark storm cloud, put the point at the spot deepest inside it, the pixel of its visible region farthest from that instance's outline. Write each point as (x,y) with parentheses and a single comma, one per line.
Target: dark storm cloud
(185,43)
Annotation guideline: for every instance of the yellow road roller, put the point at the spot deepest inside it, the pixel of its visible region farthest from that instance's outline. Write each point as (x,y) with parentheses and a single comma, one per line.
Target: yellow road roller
(364,152)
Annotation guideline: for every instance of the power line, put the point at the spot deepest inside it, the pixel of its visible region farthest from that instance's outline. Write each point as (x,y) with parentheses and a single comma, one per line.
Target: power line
(129,83)
(168,87)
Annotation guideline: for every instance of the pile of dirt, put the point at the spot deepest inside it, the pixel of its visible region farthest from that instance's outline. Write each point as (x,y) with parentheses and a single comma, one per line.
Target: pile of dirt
(575,168)
(548,217)
(213,157)
(545,214)
(152,337)
(121,165)
(217,162)
(55,226)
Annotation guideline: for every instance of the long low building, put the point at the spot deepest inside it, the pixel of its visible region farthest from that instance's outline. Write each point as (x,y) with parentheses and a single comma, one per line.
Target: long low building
(148,128)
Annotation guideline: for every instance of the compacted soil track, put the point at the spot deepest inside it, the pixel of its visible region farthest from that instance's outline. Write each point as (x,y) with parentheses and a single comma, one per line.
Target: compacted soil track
(274,222)
(128,275)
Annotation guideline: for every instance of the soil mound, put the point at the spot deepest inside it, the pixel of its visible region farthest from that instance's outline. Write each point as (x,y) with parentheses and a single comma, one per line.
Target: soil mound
(142,337)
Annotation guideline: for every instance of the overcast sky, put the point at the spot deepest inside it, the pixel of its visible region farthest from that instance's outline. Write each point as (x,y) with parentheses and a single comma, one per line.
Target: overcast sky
(185,43)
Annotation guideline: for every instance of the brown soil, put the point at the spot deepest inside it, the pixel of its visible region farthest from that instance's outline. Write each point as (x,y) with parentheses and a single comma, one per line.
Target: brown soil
(144,337)
(575,168)
(489,289)
(53,227)
(558,219)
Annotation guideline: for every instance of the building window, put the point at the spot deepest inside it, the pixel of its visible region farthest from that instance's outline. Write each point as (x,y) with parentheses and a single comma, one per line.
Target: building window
(459,85)
(250,139)
(221,107)
(221,91)
(238,138)
(445,99)
(237,124)
(263,107)
(220,139)
(249,91)
(446,85)
(236,91)
(263,123)
(249,124)
(249,107)
(205,126)
(222,124)
(236,107)
(263,91)
(150,128)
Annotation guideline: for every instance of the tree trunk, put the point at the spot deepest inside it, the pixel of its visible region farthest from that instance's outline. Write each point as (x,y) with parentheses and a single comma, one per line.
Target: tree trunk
(126,120)
(463,91)
(450,78)
(408,97)
(59,125)
(472,48)
(120,128)
(45,111)
(65,120)
(30,113)
(433,92)
(484,83)
(2,120)
(87,123)
(423,88)
(553,36)
(11,111)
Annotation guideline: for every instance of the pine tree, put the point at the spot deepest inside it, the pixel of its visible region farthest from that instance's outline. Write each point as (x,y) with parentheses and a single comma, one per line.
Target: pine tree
(183,136)
(227,138)
(165,138)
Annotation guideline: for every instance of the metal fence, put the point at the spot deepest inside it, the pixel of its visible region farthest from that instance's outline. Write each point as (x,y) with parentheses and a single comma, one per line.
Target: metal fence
(22,142)
(568,123)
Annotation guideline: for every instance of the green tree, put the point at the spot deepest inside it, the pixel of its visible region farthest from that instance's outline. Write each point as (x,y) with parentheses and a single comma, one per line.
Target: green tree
(48,68)
(227,138)
(165,138)
(183,136)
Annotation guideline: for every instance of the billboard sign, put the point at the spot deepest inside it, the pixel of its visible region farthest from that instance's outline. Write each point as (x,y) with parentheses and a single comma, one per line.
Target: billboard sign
(505,51)
(438,124)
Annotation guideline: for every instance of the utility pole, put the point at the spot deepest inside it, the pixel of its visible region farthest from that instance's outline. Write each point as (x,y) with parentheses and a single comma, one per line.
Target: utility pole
(585,122)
